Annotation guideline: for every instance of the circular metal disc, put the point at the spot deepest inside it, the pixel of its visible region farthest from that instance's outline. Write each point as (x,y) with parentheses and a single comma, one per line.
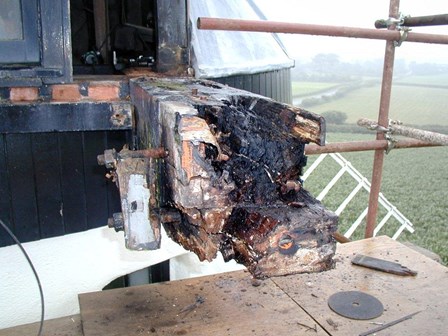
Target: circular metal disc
(355,305)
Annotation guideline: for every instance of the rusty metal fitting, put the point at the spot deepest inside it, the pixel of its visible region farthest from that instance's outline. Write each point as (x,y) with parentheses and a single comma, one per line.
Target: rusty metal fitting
(116,222)
(151,153)
(108,159)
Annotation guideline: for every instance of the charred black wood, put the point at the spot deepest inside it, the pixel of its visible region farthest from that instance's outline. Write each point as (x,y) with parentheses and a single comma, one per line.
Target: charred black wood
(234,172)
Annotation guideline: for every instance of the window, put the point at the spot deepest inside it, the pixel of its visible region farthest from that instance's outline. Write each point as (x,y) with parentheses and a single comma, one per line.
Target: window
(34,42)
(19,39)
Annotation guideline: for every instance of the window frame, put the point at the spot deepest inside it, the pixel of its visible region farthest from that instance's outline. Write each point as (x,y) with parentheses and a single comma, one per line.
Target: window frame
(54,64)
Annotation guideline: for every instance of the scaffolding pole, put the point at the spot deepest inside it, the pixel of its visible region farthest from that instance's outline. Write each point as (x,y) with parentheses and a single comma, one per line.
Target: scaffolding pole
(312,29)
(397,128)
(417,21)
(383,120)
(361,146)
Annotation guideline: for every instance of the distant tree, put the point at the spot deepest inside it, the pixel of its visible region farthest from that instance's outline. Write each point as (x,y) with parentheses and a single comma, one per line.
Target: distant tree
(326,59)
(326,63)
(335,117)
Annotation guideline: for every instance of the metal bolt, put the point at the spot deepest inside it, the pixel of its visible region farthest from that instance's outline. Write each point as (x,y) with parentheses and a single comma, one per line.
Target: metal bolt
(116,222)
(108,159)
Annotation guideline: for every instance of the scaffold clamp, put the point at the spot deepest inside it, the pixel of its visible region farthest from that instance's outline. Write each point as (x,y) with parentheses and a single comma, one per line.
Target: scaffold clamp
(403,35)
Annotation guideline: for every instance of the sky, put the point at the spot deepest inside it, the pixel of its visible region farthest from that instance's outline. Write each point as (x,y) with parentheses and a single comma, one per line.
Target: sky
(355,13)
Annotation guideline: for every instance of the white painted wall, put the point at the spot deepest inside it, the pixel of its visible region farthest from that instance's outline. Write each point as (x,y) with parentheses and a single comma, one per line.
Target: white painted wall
(188,266)
(67,265)
(80,263)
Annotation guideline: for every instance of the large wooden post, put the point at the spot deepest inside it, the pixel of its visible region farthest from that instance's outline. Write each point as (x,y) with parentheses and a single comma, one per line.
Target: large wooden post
(172,41)
(233,174)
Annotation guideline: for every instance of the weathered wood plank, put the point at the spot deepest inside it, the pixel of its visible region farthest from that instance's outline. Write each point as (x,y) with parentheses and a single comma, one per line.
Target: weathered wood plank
(225,304)
(63,117)
(399,295)
(235,304)
(172,40)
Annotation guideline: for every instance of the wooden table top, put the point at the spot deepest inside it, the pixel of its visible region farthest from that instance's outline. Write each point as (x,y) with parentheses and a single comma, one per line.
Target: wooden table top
(234,304)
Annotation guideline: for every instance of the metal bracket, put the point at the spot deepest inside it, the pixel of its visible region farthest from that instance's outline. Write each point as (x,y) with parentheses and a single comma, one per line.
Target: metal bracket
(403,35)
(391,141)
(393,21)
(398,24)
(378,128)
(136,175)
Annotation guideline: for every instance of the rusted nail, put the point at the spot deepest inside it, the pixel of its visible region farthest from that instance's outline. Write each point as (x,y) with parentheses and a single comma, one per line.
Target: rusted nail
(154,153)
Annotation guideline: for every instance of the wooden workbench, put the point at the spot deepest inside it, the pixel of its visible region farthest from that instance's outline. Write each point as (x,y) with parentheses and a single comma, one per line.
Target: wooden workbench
(233,304)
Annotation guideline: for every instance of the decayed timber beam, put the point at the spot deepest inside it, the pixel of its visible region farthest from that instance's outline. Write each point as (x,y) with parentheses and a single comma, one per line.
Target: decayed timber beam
(233,174)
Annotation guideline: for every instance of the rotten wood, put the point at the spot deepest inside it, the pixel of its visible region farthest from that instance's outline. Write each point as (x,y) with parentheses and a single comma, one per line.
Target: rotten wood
(233,171)
(340,238)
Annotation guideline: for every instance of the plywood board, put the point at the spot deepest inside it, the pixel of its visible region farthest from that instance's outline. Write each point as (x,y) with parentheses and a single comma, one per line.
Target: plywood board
(232,305)
(400,295)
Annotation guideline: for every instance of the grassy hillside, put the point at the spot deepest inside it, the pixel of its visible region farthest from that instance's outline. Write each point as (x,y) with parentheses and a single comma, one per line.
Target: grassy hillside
(303,89)
(415,100)
(410,104)
(414,180)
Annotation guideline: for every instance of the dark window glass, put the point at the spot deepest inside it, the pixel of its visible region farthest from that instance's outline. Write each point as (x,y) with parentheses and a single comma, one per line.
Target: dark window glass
(11,20)
(19,40)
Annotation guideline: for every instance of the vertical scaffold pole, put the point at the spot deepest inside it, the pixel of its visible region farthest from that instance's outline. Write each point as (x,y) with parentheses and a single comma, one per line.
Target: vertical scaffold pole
(383,120)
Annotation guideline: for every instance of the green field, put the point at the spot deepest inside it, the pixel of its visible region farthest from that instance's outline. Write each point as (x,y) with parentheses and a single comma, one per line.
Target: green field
(414,180)
(441,79)
(303,89)
(410,104)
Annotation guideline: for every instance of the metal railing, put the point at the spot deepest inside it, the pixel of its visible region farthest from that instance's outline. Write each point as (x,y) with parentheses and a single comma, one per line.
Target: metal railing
(362,183)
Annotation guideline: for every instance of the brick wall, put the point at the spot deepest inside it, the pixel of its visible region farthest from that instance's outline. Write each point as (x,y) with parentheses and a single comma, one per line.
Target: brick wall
(82,89)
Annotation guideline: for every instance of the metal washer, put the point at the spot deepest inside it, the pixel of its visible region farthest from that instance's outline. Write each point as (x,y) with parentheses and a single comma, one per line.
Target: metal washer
(355,305)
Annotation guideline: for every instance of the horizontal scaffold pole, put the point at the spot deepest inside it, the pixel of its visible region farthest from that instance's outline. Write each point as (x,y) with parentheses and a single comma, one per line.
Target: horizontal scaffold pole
(417,21)
(312,29)
(394,128)
(360,146)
